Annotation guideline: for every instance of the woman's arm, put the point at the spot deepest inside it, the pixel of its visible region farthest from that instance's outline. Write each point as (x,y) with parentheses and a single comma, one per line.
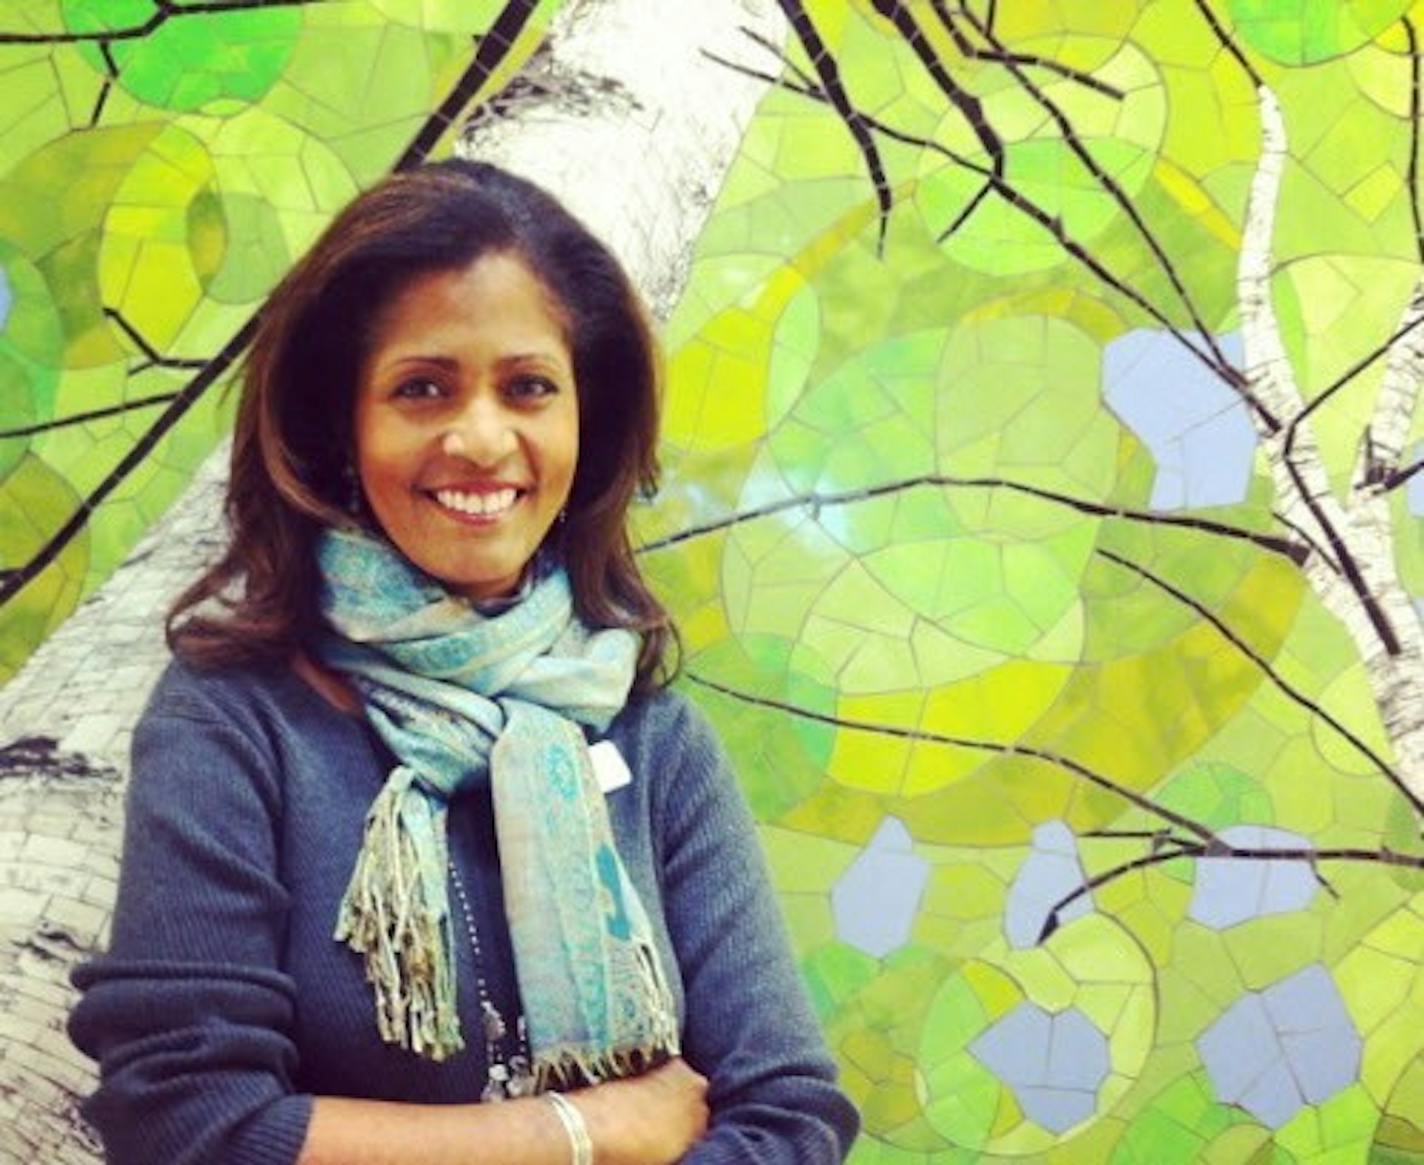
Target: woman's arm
(772,1084)
(648,1120)
(189,1013)
(379,1132)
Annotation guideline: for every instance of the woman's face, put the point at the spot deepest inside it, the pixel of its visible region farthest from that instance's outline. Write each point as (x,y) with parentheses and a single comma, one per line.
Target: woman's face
(467,422)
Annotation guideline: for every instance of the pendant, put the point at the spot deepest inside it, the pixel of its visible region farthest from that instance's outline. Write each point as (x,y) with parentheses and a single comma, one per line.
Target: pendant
(494,1022)
(521,1083)
(497,1086)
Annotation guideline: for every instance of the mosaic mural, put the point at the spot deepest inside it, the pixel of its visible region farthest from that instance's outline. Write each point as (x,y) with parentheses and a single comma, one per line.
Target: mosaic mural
(1041,508)
(1042,521)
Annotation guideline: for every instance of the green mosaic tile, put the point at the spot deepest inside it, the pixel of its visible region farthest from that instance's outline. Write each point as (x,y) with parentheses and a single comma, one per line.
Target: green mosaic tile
(1313,30)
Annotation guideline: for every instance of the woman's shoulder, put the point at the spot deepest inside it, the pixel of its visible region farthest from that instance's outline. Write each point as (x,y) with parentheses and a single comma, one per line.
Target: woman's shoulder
(661,714)
(262,718)
(190,688)
(668,727)
(249,697)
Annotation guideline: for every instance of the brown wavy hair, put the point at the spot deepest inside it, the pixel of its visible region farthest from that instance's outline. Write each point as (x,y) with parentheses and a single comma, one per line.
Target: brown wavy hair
(293,440)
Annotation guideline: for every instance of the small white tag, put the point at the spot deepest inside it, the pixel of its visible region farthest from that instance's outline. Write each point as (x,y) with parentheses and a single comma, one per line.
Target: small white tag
(609,766)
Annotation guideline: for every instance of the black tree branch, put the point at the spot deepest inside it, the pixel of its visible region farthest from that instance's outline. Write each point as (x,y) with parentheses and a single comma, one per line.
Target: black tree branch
(1289,690)
(1304,536)
(153,358)
(1416,111)
(164,10)
(828,73)
(1056,760)
(1349,374)
(972,111)
(1296,552)
(1168,853)
(1115,191)
(1228,44)
(1219,850)
(974,53)
(141,402)
(963,216)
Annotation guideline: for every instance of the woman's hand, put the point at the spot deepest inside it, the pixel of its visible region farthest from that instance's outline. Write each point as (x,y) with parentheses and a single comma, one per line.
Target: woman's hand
(651,1119)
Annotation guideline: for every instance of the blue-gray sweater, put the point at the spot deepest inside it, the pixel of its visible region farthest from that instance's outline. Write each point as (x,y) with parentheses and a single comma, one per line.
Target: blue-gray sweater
(224,1005)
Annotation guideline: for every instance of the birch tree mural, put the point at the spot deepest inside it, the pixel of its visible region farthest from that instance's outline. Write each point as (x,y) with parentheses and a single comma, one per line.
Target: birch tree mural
(1054,574)
(1042,509)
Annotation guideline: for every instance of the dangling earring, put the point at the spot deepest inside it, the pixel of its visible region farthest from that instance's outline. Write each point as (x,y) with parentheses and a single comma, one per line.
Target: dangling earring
(351,481)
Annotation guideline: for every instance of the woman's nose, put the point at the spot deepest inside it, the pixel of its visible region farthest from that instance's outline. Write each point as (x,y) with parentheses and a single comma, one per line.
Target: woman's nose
(481,433)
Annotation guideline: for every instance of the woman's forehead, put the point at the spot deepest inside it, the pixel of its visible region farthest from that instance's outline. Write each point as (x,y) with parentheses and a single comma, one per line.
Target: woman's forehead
(495,304)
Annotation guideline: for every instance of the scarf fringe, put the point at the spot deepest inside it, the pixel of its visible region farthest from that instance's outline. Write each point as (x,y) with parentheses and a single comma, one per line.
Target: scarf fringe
(574,1067)
(388,916)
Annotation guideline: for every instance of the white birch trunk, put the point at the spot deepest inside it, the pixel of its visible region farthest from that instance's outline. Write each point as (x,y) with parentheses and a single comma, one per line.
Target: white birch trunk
(634,128)
(1361,530)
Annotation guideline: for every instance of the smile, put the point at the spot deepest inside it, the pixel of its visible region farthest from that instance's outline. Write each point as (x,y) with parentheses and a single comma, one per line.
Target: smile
(489,504)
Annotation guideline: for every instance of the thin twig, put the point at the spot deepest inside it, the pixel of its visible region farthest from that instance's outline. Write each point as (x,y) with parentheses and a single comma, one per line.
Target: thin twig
(1289,690)
(142,402)
(972,52)
(816,93)
(1053,919)
(1296,552)
(1017,748)
(1349,374)
(163,12)
(154,357)
(1228,44)
(1304,535)
(828,72)
(1120,196)
(963,216)
(1415,113)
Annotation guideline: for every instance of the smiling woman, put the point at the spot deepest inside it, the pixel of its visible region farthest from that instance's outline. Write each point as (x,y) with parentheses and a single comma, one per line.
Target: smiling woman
(415,824)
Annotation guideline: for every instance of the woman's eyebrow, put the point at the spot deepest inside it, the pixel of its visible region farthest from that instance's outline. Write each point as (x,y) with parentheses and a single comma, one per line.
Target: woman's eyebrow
(421,358)
(513,360)
(553,359)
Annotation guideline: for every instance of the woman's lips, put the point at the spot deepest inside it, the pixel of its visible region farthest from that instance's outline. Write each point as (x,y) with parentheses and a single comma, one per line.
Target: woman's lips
(477,507)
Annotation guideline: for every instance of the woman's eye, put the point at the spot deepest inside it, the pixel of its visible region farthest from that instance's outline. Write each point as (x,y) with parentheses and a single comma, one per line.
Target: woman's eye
(418,389)
(531,387)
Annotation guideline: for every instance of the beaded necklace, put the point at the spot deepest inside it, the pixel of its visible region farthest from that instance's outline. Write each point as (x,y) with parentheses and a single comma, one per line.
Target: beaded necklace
(507,1078)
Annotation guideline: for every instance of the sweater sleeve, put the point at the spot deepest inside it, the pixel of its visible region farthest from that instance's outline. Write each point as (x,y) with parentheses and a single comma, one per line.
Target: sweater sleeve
(188,1014)
(749,1029)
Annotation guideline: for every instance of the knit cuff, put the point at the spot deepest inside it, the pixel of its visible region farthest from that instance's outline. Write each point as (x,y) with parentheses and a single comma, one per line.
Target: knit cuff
(273,1136)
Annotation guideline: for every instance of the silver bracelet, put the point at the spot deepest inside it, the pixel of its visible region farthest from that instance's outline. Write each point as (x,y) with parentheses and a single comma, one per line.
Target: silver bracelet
(572,1120)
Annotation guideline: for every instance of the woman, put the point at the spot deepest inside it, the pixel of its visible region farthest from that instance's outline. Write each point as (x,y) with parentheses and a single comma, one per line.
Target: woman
(413,823)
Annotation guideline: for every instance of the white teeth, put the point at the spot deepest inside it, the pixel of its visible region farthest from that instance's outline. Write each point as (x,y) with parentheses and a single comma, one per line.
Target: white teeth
(477,503)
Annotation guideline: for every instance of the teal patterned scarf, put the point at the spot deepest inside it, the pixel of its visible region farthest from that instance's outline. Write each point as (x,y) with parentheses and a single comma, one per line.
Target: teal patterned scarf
(460,698)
